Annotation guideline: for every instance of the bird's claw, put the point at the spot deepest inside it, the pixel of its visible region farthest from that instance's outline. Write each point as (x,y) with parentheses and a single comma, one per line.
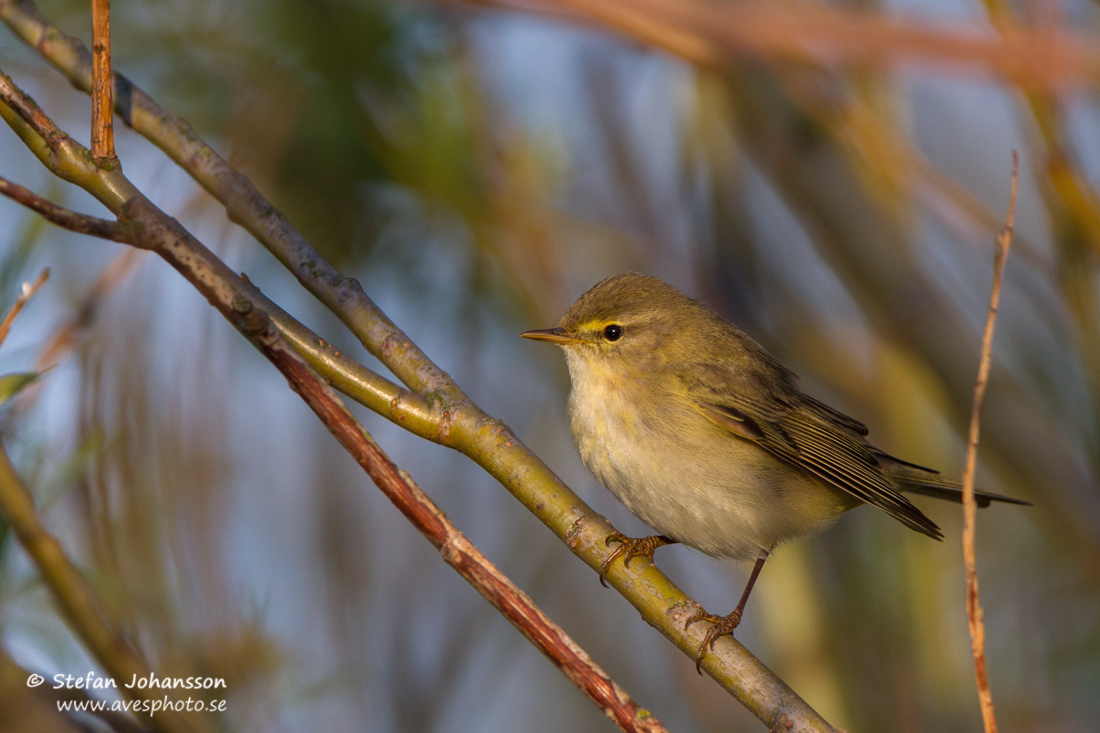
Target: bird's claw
(630,548)
(721,626)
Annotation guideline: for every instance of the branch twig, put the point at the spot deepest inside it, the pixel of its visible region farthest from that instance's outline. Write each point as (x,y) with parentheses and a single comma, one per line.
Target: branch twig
(27,109)
(62,217)
(103,133)
(29,289)
(970,504)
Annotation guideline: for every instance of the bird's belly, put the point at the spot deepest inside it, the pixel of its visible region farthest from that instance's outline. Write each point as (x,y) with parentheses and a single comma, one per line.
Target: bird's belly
(717,493)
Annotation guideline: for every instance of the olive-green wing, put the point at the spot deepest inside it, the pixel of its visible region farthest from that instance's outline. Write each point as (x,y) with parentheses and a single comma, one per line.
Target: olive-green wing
(827,445)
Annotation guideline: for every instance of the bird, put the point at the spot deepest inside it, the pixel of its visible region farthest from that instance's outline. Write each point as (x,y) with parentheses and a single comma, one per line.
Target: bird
(707,438)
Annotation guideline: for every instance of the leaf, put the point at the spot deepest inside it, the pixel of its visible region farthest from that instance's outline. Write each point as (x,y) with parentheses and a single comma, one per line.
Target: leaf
(12,384)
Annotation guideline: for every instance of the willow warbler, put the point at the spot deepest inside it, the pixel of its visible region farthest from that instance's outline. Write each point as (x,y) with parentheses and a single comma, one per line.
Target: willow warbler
(707,439)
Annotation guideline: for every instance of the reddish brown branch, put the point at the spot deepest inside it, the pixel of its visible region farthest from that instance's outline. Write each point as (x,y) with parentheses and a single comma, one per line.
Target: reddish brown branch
(71,220)
(29,110)
(103,134)
(970,505)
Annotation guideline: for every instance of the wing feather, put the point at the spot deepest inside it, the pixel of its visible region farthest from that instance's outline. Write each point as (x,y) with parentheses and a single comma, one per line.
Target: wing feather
(820,442)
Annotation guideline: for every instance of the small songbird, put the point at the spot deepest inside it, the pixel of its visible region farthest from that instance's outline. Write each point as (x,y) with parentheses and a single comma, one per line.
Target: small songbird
(707,439)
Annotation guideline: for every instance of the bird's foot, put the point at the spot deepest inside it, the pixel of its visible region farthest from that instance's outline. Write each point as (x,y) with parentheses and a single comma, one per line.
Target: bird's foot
(722,626)
(630,548)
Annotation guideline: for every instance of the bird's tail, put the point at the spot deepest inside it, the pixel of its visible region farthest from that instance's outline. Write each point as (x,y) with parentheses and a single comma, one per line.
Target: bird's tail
(918,480)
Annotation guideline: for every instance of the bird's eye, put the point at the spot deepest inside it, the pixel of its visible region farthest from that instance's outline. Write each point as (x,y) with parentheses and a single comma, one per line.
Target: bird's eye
(613,332)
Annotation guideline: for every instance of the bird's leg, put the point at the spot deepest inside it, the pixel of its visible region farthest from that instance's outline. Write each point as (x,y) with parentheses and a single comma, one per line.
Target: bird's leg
(725,624)
(630,548)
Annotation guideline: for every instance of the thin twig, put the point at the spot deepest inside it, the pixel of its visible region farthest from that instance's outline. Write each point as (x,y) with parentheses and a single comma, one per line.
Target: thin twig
(970,504)
(103,133)
(65,218)
(29,289)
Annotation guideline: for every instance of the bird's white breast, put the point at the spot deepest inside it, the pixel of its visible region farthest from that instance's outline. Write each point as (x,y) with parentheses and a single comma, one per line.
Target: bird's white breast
(684,476)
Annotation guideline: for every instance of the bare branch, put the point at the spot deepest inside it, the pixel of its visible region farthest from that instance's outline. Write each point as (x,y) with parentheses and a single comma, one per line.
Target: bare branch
(27,109)
(103,133)
(970,504)
(62,217)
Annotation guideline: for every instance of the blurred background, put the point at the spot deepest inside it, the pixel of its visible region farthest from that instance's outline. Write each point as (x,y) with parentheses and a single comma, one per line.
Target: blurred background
(477,168)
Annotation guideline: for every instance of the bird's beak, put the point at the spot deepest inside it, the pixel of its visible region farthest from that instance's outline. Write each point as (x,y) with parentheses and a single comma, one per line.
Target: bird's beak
(553,335)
